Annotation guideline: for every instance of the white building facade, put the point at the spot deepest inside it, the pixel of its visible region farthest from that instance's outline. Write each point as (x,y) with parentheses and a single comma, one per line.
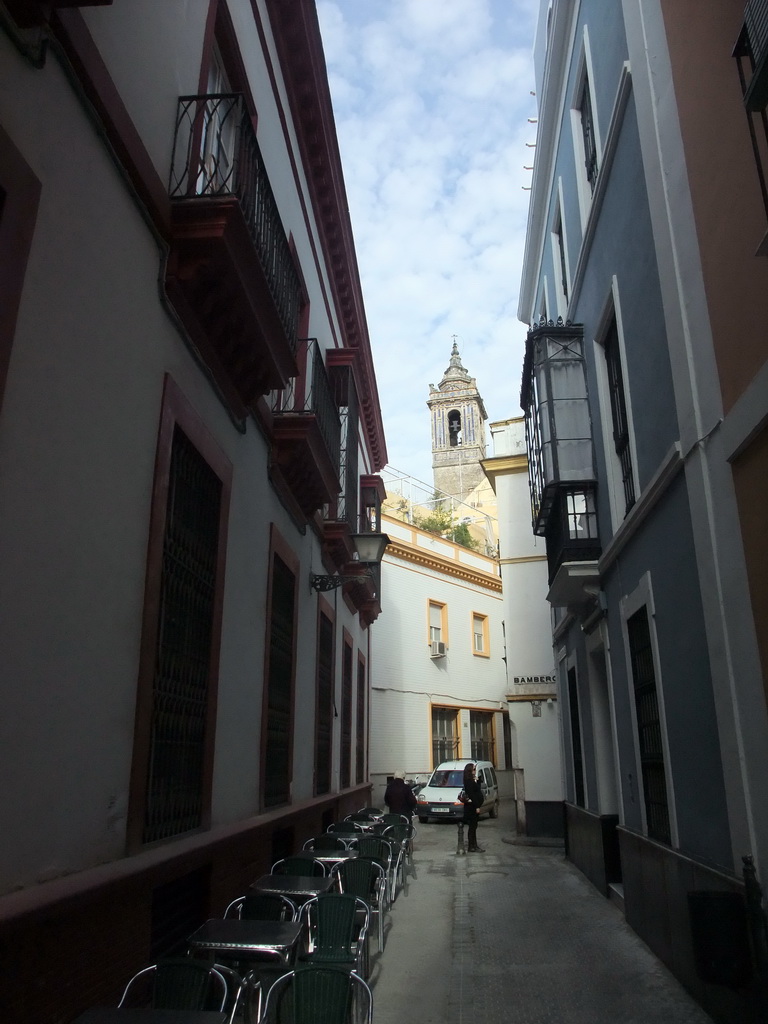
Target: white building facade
(440,686)
(189,428)
(531,679)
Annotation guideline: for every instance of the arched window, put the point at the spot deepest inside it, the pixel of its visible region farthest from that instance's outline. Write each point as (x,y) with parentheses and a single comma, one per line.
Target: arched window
(454,427)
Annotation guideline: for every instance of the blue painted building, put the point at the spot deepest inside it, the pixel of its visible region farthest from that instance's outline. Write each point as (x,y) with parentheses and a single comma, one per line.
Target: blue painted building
(632,489)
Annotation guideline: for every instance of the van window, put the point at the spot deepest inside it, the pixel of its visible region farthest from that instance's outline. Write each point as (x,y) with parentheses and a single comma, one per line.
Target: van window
(494,780)
(445,779)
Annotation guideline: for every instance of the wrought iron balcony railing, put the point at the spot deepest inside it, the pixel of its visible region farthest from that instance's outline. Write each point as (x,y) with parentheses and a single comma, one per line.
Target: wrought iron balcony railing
(310,394)
(751,53)
(215,155)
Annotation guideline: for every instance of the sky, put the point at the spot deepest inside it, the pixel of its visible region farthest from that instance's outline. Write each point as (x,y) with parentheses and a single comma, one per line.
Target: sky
(432,100)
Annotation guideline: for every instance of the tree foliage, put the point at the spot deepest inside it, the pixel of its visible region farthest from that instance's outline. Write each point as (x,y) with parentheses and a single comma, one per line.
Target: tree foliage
(442,522)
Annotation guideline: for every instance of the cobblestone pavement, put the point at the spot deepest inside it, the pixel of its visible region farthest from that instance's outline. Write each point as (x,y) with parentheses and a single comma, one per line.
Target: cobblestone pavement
(515,935)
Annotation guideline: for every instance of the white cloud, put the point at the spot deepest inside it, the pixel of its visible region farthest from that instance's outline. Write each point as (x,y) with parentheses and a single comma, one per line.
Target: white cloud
(431,107)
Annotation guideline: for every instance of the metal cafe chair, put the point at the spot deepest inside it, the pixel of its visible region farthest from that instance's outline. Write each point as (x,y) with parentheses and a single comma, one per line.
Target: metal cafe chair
(395,819)
(179,983)
(366,879)
(298,866)
(381,850)
(315,993)
(263,906)
(337,925)
(403,836)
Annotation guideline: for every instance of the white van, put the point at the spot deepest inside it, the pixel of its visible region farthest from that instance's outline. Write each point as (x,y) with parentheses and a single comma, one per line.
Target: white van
(440,797)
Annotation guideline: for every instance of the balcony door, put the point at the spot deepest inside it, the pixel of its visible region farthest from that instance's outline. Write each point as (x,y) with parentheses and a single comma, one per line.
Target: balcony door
(219,131)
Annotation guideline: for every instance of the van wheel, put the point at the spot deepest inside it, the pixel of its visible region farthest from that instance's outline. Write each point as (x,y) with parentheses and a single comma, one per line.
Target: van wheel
(494,811)
(423,820)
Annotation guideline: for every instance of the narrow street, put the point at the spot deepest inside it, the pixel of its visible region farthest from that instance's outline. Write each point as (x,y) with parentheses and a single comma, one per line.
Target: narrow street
(515,935)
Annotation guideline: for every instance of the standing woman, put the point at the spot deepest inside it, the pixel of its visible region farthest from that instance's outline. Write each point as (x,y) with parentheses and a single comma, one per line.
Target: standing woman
(474,800)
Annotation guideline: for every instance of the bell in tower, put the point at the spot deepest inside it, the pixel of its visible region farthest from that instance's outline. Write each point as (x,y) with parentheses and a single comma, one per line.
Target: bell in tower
(458,430)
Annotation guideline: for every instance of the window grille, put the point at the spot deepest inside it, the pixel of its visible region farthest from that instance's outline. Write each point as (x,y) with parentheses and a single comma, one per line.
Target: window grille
(619,414)
(277,768)
(648,726)
(751,53)
(576,751)
(362,694)
(561,256)
(324,720)
(346,396)
(445,739)
(346,716)
(180,687)
(481,733)
(588,135)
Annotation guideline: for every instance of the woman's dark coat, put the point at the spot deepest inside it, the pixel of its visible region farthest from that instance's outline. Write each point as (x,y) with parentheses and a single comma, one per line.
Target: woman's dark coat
(474,794)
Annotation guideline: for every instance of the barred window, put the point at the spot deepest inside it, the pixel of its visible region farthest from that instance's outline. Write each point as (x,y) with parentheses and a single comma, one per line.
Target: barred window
(648,726)
(481,732)
(576,751)
(180,687)
(445,735)
(324,717)
(362,693)
(588,135)
(619,413)
(346,716)
(279,712)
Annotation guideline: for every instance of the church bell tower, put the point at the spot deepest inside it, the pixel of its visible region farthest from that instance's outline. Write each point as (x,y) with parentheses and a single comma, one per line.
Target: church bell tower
(458,430)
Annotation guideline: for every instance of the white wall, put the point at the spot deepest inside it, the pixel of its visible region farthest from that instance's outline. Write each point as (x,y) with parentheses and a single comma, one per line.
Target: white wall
(406,681)
(78,437)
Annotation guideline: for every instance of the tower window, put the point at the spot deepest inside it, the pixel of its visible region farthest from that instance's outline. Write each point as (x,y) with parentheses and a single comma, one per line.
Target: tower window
(454,428)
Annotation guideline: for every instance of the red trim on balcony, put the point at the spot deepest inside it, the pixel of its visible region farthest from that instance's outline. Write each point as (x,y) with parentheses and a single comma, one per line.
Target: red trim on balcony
(300,456)
(220,293)
(338,548)
(299,44)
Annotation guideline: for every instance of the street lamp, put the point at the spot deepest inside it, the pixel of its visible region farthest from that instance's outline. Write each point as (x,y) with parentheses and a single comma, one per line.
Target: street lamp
(369,551)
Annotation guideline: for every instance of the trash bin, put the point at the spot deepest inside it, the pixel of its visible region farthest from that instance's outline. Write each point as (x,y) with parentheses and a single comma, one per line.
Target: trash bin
(720,932)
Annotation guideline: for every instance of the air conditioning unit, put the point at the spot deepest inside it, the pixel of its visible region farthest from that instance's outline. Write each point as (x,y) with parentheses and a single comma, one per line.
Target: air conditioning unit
(438,649)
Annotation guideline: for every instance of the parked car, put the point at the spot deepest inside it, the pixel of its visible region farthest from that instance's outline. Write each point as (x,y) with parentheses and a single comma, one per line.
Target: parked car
(440,797)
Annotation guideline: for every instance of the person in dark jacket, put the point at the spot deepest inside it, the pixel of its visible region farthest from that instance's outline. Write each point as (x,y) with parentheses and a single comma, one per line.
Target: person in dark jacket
(473,793)
(399,796)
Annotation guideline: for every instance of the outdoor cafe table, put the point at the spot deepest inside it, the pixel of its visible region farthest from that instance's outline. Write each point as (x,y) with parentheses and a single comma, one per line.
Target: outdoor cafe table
(124,1015)
(246,938)
(326,856)
(295,887)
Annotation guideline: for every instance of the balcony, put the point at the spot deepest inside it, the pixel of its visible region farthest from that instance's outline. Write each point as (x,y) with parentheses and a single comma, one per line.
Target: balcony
(230,274)
(751,53)
(753,45)
(573,547)
(33,13)
(561,468)
(306,434)
(340,517)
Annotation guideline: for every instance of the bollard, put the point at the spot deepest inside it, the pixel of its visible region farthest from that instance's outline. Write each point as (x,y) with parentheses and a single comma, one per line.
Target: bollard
(460,851)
